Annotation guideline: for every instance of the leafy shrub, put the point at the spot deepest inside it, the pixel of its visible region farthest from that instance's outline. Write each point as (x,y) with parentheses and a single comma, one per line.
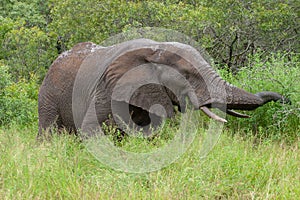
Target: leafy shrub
(6,25)
(5,77)
(18,100)
(34,12)
(29,51)
(229,30)
(278,73)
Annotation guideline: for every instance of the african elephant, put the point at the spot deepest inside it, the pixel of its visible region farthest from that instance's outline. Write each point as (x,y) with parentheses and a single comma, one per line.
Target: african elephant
(141,79)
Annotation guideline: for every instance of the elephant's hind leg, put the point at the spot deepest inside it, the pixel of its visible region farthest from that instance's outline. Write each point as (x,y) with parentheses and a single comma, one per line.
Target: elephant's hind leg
(49,121)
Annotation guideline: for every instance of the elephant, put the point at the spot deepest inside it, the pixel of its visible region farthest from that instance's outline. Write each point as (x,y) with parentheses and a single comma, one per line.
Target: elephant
(141,79)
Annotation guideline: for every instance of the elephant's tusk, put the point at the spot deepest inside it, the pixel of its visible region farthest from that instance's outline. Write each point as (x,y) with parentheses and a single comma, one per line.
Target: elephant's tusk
(236,114)
(211,114)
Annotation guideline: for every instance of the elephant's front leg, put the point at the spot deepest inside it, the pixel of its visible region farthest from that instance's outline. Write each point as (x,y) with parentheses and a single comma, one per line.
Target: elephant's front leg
(90,125)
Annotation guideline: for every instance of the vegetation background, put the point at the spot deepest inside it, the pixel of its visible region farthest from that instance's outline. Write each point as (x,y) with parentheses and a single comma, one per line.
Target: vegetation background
(255,45)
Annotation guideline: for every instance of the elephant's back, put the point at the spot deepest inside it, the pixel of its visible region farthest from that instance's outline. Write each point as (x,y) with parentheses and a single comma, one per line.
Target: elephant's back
(62,72)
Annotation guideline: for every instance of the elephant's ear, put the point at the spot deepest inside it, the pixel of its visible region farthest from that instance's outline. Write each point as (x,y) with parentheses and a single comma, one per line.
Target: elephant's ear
(141,87)
(132,74)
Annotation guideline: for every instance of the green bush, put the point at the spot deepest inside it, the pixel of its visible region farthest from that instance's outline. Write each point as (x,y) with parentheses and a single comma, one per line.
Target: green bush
(18,100)
(34,12)
(26,44)
(5,77)
(229,30)
(279,73)
(29,50)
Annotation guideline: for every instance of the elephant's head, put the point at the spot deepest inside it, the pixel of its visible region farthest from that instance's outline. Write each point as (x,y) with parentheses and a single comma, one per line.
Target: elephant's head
(143,76)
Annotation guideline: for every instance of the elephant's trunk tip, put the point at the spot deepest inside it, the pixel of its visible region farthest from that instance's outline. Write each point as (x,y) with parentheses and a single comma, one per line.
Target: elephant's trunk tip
(272,96)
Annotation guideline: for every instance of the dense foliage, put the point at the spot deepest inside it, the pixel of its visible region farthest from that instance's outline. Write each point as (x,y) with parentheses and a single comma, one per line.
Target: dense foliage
(229,30)
(254,39)
(273,120)
(18,101)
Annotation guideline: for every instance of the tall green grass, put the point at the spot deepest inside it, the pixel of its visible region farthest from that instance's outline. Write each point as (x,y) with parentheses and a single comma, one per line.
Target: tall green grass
(63,169)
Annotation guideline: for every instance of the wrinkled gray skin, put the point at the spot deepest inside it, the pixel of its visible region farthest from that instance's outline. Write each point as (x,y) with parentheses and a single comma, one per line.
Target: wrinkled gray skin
(80,90)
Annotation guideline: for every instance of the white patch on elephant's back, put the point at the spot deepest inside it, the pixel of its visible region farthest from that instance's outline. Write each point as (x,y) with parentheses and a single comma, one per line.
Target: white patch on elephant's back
(64,54)
(96,47)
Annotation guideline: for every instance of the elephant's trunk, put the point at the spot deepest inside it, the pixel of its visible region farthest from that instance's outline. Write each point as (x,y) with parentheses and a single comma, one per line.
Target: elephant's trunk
(239,99)
(242,100)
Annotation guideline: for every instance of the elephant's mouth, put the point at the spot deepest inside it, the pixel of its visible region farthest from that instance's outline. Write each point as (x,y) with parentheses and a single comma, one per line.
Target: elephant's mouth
(214,116)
